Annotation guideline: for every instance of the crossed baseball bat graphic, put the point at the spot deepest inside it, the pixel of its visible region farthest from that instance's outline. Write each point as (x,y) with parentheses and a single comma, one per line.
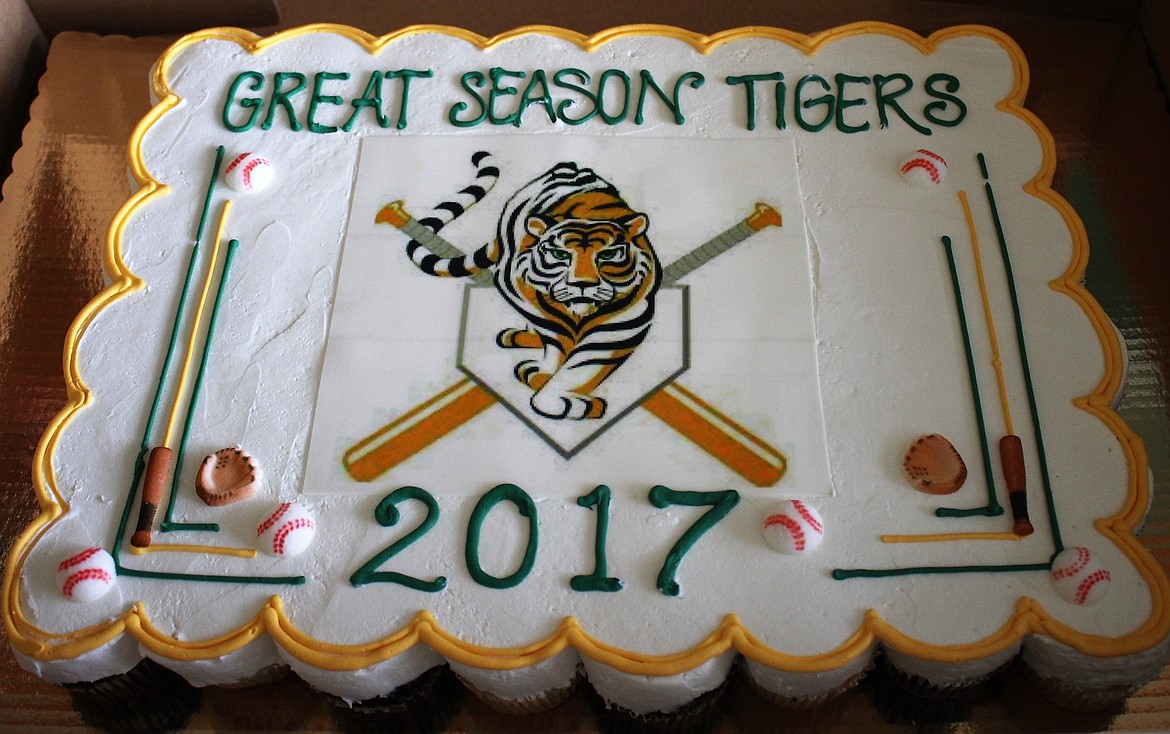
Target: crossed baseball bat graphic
(730,443)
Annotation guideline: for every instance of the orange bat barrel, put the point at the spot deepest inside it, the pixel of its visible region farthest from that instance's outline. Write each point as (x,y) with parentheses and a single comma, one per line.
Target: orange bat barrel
(1011,455)
(158,470)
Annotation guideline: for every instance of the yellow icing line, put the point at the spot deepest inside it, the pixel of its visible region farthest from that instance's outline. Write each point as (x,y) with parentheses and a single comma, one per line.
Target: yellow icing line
(996,362)
(945,537)
(189,355)
(1029,615)
(187,548)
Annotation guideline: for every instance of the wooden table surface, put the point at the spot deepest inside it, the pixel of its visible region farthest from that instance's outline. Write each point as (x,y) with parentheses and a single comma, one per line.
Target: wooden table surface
(1091,84)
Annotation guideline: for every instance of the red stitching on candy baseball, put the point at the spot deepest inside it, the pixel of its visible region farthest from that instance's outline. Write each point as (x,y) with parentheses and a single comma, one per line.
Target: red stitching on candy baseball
(246,172)
(84,574)
(792,526)
(79,558)
(1089,582)
(807,516)
(935,156)
(273,519)
(1075,567)
(282,534)
(236,162)
(927,165)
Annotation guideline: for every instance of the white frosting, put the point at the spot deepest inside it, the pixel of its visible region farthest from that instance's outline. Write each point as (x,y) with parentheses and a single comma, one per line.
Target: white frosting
(809,686)
(642,694)
(948,673)
(833,338)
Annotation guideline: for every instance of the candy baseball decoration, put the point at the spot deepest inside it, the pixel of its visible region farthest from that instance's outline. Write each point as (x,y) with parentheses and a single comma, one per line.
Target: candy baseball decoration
(248,173)
(87,576)
(1079,577)
(794,528)
(923,169)
(288,531)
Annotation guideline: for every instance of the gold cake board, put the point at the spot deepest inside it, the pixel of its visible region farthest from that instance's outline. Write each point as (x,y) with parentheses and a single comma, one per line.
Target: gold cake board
(1089,80)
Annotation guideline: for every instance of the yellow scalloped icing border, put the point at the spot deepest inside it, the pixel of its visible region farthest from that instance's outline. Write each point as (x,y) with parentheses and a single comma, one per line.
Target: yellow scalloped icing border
(1029,616)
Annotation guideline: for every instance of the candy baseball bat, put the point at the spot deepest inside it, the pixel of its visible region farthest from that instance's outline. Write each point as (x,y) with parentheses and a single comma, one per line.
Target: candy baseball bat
(158,469)
(1011,455)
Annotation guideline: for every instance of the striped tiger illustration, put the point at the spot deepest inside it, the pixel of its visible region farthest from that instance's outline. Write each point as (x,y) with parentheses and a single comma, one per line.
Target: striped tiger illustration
(571,257)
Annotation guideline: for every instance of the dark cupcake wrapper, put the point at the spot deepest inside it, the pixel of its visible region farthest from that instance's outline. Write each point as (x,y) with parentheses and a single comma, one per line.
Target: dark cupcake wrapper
(146,699)
(282,704)
(904,698)
(1075,698)
(426,704)
(918,686)
(700,716)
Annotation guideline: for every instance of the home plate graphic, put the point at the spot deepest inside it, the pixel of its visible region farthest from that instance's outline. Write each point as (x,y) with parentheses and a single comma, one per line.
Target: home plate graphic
(587,301)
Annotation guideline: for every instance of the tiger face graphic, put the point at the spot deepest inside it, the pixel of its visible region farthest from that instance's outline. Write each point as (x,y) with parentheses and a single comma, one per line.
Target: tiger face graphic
(574,260)
(585,263)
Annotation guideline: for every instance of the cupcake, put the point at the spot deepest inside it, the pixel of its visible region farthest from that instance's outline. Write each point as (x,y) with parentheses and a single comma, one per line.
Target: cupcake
(426,704)
(147,698)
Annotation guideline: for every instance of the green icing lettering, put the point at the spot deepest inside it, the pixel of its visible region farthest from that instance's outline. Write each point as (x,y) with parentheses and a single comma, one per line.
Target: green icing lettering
(560,79)
(601,82)
(479,79)
(319,98)
(781,99)
(530,97)
(889,99)
(693,78)
(721,503)
(844,102)
(946,97)
(254,103)
(387,515)
(371,99)
(527,508)
(281,98)
(406,75)
(498,74)
(749,83)
(806,104)
(598,580)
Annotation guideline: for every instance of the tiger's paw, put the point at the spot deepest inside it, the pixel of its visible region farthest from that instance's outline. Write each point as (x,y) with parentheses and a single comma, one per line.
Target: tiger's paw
(529,373)
(518,339)
(568,406)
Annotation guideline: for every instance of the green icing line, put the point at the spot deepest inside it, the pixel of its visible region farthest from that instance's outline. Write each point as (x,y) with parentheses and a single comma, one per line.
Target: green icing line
(992,508)
(168,576)
(598,580)
(168,524)
(1049,499)
(207,198)
(721,504)
(527,508)
(842,574)
(140,463)
(387,515)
